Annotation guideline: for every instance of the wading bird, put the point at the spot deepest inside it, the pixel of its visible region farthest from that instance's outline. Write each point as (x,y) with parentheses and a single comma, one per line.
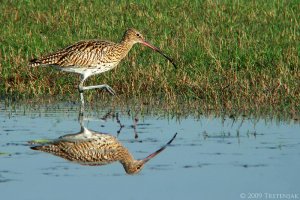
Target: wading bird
(92,57)
(92,148)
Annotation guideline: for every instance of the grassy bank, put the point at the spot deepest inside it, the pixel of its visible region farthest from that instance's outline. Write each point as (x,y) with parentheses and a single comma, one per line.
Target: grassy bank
(240,55)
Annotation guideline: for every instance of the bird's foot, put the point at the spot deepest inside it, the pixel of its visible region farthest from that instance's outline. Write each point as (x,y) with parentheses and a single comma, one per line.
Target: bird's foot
(104,86)
(110,90)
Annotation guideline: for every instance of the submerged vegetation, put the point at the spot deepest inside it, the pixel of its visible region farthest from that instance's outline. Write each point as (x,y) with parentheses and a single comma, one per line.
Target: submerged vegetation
(231,55)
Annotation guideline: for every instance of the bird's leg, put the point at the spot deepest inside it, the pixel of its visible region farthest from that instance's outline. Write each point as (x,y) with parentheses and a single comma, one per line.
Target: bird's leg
(81,89)
(81,117)
(81,112)
(105,86)
(82,99)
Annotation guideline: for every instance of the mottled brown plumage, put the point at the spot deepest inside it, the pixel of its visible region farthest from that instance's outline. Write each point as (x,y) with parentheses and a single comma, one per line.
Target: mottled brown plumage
(92,148)
(93,57)
(84,54)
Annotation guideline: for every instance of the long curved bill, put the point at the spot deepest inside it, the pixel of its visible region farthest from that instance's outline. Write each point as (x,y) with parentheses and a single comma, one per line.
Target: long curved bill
(159,51)
(159,150)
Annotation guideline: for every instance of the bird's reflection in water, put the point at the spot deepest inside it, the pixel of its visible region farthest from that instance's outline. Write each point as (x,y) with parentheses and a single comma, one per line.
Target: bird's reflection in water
(94,148)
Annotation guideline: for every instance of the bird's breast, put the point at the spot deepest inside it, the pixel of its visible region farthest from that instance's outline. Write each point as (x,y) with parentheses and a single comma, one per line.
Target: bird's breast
(93,69)
(102,67)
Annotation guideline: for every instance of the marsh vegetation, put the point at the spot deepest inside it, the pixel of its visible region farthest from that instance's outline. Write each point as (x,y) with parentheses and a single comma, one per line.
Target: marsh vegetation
(231,55)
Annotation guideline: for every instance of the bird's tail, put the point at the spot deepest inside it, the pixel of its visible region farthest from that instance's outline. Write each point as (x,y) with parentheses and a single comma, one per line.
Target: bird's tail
(34,62)
(52,59)
(44,61)
(36,148)
(45,148)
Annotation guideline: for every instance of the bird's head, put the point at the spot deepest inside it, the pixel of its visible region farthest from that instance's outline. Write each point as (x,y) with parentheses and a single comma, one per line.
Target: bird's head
(133,36)
(136,166)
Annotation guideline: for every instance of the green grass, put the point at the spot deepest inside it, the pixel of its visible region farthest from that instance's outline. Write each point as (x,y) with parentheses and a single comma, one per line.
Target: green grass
(241,55)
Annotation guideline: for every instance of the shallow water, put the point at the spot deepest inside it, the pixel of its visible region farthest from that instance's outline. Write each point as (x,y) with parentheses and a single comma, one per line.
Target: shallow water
(211,158)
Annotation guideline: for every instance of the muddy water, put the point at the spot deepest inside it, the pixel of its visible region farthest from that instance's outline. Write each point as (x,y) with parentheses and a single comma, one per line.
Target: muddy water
(211,158)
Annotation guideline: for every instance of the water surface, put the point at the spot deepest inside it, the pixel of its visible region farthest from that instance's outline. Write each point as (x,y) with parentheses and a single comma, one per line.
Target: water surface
(211,157)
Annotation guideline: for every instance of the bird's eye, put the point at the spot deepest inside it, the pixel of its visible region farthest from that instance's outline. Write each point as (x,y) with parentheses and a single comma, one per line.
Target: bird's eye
(138,34)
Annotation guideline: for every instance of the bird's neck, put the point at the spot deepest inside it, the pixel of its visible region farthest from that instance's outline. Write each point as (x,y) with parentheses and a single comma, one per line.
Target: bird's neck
(125,157)
(127,160)
(125,45)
